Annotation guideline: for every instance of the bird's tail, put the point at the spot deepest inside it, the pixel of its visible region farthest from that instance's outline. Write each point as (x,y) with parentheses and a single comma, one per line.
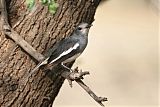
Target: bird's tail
(39,65)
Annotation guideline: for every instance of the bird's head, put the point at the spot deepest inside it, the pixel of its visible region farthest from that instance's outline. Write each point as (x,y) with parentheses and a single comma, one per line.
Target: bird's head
(83,28)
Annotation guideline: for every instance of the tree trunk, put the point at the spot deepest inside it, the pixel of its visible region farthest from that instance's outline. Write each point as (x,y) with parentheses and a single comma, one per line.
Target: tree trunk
(42,30)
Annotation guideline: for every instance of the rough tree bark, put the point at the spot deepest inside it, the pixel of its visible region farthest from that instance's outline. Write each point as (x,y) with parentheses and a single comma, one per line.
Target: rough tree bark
(42,30)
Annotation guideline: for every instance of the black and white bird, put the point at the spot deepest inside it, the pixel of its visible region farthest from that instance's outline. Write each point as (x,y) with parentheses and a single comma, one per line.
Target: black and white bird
(68,49)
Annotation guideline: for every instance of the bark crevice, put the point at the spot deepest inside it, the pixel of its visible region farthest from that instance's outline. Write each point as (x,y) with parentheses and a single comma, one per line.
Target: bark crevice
(41,30)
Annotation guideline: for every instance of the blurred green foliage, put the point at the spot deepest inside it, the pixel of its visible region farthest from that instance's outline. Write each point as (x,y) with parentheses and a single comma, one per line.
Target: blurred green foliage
(30,4)
(52,5)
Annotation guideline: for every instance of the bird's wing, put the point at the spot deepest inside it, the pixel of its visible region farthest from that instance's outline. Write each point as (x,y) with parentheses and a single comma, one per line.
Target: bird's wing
(65,48)
(62,48)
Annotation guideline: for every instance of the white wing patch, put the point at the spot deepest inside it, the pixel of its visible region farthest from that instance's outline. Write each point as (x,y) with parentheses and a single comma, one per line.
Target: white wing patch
(66,52)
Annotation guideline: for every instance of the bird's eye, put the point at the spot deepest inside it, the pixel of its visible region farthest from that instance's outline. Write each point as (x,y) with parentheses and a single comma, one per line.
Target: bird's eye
(79,28)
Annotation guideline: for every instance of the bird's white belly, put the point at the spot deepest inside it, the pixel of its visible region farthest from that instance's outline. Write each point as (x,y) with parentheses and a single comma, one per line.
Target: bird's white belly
(71,58)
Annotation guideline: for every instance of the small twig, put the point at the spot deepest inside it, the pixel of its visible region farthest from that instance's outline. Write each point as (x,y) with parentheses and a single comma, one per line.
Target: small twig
(71,76)
(77,76)
(91,93)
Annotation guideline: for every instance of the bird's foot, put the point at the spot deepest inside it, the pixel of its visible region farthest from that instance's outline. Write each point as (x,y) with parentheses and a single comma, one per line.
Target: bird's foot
(74,75)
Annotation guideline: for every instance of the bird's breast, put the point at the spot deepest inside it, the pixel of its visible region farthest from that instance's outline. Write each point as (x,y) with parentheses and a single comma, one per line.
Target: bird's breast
(72,58)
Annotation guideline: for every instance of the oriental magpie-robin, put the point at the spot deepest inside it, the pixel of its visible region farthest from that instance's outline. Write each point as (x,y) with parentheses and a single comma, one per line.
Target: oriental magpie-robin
(67,49)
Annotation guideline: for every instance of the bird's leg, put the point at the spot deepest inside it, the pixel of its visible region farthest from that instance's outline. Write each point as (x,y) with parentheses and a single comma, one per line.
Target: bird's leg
(66,67)
(69,80)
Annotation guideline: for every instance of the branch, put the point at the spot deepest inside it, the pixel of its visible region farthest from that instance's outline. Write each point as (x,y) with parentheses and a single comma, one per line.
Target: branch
(7,30)
(77,76)
(91,93)
(71,76)
(23,44)
(3,11)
